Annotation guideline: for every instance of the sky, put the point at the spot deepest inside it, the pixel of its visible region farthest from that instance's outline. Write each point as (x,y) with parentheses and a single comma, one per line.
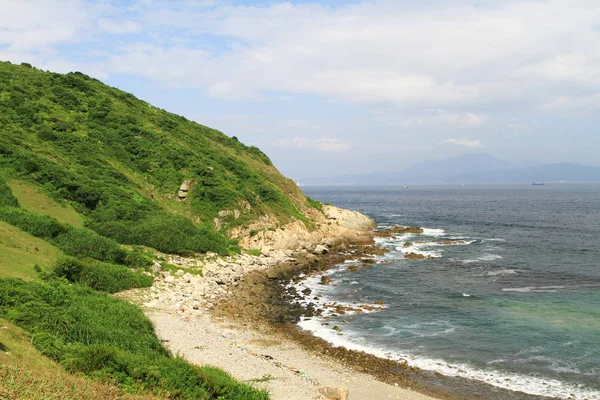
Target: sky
(342,87)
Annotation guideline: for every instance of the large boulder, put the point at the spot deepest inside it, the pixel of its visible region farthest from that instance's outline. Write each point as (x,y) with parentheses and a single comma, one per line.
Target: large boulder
(349,219)
(320,249)
(184,189)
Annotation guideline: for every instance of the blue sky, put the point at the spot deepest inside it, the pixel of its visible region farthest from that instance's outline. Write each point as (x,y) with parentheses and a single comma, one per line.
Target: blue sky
(342,87)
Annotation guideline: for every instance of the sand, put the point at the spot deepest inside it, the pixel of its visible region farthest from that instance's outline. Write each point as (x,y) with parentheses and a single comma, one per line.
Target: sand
(278,365)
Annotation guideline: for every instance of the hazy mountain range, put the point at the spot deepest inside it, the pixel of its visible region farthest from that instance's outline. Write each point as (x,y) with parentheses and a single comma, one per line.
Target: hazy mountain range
(474,168)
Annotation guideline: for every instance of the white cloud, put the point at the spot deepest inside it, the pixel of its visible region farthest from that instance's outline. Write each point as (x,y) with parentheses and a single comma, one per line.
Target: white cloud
(504,54)
(327,144)
(464,142)
(444,118)
(119,27)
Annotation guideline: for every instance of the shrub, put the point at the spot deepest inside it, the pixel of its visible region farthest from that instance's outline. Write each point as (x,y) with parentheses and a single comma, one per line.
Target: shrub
(41,226)
(102,336)
(6,197)
(100,276)
(314,203)
(82,242)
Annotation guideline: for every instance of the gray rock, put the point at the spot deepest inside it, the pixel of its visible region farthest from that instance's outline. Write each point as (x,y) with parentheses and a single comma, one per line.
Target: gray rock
(320,249)
(271,274)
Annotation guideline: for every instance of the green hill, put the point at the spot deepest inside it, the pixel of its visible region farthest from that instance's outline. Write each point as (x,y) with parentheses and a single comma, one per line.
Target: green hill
(120,162)
(89,175)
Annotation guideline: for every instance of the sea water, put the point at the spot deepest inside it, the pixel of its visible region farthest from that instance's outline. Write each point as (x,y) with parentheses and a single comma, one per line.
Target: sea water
(514,303)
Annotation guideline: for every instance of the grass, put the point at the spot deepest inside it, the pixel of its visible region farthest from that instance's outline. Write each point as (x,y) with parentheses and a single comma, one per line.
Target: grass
(253,252)
(111,340)
(20,252)
(26,374)
(34,199)
(119,162)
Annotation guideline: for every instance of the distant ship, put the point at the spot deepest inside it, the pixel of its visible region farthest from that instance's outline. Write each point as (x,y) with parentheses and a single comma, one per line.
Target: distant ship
(535,183)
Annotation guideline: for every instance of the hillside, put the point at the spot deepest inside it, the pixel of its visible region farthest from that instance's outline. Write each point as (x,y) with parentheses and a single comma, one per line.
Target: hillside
(92,181)
(120,163)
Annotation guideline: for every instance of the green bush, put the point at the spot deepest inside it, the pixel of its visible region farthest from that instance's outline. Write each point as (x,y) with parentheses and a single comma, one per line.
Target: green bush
(6,197)
(314,203)
(82,242)
(41,226)
(77,242)
(100,276)
(108,338)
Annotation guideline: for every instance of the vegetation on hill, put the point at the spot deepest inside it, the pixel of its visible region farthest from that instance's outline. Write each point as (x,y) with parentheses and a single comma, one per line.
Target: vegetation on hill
(110,340)
(120,162)
(28,375)
(88,176)
(87,332)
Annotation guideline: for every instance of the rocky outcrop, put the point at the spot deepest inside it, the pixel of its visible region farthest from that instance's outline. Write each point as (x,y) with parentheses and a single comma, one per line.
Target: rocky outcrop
(198,282)
(414,256)
(398,230)
(349,219)
(185,187)
(333,232)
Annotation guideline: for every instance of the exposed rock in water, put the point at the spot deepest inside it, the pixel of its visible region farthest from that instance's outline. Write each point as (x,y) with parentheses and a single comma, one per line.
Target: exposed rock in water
(414,256)
(398,230)
(452,242)
(408,244)
(325,280)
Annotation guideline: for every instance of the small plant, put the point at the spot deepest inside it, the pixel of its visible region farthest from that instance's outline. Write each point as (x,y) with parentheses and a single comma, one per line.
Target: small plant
(253,252)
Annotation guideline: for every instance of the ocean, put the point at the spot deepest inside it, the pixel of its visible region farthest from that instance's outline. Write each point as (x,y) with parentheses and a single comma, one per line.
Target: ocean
(514,301)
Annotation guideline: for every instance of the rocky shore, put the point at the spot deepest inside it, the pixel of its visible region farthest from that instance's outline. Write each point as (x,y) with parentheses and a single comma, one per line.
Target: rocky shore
(238,313)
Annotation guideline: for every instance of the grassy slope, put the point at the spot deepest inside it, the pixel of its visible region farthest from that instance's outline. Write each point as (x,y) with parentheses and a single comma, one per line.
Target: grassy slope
(34,199)
(27,374)
(121,161)
(20,252)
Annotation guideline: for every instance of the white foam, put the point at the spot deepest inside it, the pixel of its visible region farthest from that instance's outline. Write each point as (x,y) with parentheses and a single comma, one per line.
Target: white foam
(534,289)
(433,232)
(487,257)
(517,382)
(511,381)
(502,272)
(418,248)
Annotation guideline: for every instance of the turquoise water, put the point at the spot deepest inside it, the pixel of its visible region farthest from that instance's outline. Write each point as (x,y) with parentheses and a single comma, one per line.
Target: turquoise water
(516,303)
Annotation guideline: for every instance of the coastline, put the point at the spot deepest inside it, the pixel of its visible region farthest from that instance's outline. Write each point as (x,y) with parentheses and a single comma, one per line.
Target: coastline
(241,316)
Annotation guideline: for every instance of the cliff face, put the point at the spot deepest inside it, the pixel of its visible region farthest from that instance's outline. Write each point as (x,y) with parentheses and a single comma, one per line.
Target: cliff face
(332,223)
(139,174)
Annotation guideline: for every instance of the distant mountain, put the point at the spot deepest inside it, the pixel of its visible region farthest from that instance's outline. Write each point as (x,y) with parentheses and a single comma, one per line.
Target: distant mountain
(472,168)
